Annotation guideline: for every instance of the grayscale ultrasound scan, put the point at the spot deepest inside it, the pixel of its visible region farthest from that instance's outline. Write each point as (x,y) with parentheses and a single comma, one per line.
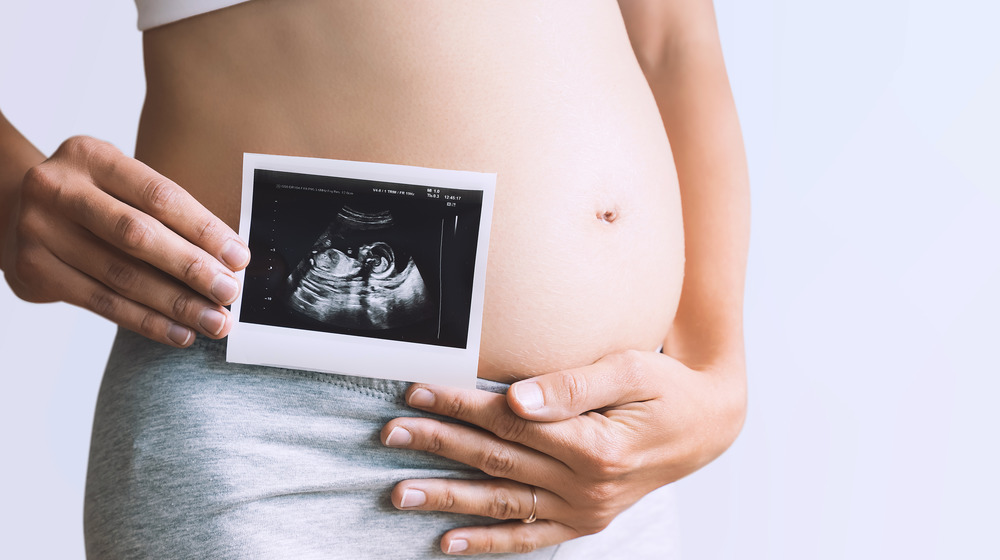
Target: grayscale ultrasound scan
(361,257)
(354,278)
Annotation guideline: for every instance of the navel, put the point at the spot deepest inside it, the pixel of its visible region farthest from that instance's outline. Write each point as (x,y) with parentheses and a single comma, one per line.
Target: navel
(607,216)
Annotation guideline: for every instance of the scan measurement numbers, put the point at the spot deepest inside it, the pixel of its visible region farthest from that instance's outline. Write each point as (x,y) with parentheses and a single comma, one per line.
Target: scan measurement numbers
(451,200)
(271,256)
(383,190)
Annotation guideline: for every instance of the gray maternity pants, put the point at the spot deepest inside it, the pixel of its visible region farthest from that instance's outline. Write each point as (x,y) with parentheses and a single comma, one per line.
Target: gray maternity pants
(193,457)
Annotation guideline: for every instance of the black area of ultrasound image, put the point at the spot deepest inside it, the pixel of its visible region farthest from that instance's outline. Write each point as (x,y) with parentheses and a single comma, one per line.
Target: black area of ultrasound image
(362,258)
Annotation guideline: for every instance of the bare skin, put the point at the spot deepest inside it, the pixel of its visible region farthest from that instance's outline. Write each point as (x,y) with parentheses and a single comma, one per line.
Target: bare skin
(595,439)
(588,249)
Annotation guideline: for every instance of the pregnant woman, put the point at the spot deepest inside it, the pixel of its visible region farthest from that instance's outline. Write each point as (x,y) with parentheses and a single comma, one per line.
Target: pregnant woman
(609,242)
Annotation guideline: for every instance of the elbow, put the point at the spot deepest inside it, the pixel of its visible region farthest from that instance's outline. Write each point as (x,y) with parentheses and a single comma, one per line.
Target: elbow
(733,411)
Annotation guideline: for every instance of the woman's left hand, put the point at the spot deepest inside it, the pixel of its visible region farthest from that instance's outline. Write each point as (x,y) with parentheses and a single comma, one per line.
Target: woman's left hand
(575,448)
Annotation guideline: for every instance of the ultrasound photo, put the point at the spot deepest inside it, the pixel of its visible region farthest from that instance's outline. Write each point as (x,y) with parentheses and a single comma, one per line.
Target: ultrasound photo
(361,257)
(352,278)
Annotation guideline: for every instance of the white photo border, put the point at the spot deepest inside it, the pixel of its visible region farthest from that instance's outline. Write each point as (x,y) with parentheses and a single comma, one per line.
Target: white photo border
(285,347)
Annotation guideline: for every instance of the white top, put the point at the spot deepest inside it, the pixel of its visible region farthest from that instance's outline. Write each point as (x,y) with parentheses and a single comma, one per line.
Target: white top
(154,13)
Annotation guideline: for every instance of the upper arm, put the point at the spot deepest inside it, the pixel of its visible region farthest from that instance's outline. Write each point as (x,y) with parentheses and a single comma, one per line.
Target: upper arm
(660,30)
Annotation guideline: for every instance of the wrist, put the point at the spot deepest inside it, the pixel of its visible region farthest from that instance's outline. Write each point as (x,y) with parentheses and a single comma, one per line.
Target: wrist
(17,156)
(716,392)
(727,391)
(8,205)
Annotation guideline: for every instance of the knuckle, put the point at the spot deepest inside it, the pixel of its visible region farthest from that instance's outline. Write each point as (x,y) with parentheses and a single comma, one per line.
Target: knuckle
(27,262)
(159,194)
(597,520)
(510,427)
(103,303)
(489,544)
(206,231)
(453,406)
(575,388)
(33,225)
(134,232)
(610,462)
(36,177)
(121,276)
(498,460)
(435,441)
(76,143)
(448,499)
(41,181)
(90,150)
(603,517)
(193,268)
(525,542)
(630,365)
(181,304)
(148,324)
(26,231)
(502,505)
(599,493)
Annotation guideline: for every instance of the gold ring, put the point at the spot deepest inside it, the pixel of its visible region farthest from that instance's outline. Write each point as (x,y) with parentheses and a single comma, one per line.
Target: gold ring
(534,504)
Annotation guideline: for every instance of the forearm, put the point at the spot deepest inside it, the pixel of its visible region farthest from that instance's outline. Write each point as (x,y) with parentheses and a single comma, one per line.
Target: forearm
(677,45)
(700,117)
(17,155)
(682,60)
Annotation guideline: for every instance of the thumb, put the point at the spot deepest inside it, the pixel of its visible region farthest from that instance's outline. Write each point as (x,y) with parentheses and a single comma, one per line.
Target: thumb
(613,380)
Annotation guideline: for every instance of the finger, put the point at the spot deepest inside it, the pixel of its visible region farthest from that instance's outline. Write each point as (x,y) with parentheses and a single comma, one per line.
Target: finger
(148,240)
(478,449)
(490,412)
(141,283)
(515,537)
(137,184)
(90,294)
(614,380)
(497,498)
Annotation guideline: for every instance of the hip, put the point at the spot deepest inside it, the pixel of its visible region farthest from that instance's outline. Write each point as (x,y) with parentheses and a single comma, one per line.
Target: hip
(195,457)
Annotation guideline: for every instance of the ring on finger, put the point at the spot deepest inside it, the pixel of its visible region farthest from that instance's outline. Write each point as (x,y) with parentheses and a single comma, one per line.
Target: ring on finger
(534,507)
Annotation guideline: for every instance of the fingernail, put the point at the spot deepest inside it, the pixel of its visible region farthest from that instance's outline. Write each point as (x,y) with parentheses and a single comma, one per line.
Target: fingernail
(212,321)
(529,395)
(179,335)
(422,398)
(457,545)
(398,437)
(235,254)
(413,498)
(225,288)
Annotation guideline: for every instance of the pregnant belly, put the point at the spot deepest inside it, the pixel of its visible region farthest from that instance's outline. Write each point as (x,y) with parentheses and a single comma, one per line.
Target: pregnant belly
(587,252)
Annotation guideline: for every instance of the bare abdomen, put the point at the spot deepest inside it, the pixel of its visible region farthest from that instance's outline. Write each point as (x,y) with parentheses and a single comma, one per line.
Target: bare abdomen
(586,253)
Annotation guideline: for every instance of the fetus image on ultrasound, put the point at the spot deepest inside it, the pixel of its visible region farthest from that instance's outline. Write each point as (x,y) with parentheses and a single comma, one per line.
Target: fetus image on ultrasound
(359,275)
(361,258)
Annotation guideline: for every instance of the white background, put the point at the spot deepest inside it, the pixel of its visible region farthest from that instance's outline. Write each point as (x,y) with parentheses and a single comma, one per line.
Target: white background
(872,298)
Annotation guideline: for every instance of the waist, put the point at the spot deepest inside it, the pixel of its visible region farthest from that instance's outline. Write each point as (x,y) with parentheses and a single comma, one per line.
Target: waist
(586,253)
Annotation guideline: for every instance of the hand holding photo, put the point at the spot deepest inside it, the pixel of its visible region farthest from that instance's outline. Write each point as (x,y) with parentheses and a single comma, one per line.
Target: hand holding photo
(365,269)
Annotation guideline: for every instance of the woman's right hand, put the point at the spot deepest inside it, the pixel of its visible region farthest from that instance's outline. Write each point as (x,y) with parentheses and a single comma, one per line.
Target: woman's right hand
(98,229)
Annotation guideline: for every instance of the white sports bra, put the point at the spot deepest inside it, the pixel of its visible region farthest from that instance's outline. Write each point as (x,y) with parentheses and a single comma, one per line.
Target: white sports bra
(154,13)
